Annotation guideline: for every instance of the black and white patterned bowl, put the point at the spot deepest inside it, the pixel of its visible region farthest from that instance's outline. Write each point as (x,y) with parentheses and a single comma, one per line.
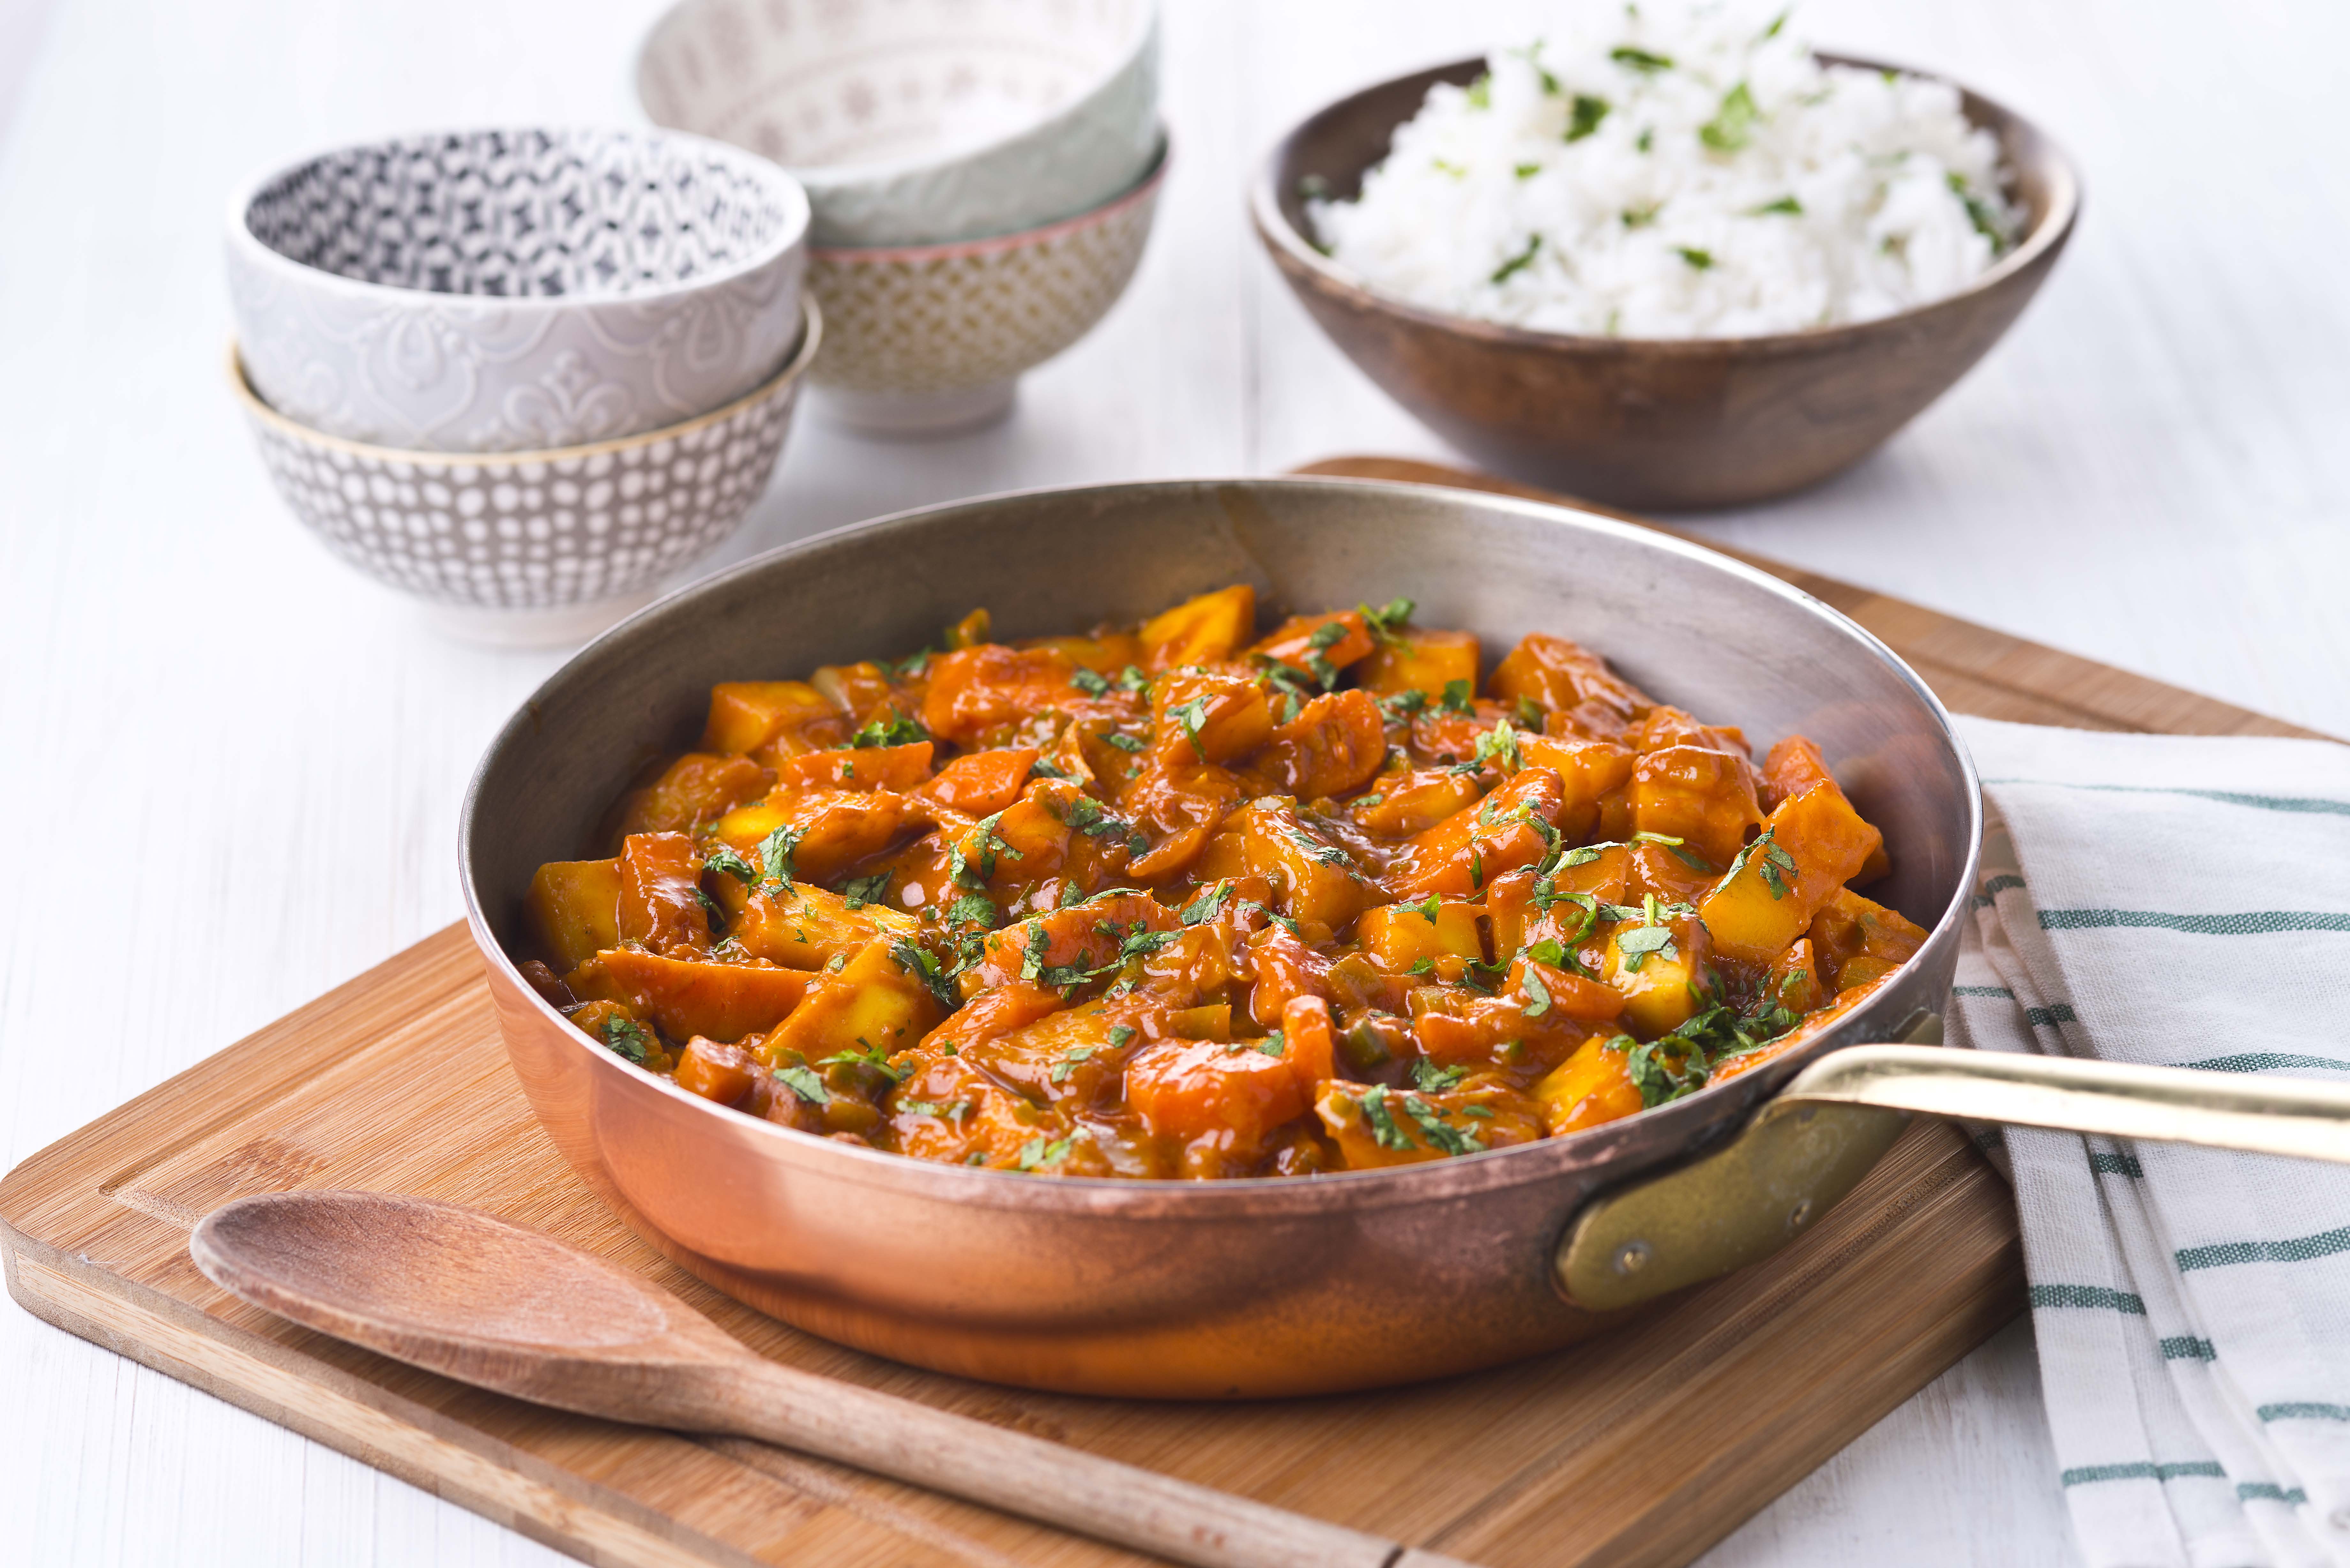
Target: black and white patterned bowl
(516,290)
(534,547)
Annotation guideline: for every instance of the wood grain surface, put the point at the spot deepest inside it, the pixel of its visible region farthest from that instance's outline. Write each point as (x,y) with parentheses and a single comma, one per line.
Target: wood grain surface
(236,765)
(1643,1448)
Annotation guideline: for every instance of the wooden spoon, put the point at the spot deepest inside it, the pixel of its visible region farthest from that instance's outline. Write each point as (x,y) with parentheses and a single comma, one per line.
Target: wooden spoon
(468,1295)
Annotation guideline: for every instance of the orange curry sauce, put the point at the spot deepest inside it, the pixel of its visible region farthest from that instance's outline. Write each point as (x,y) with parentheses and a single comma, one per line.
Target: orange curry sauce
(1178,901)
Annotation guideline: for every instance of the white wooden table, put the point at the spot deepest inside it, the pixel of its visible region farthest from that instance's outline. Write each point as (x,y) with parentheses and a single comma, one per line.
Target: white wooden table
(232,768)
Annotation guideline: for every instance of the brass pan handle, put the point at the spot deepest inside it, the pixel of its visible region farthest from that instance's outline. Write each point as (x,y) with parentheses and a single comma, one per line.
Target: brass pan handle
(2298,1117)
(1799,1154)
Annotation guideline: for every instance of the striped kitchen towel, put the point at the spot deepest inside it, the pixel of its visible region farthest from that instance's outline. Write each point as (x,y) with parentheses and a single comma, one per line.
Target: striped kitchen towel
(2181,901)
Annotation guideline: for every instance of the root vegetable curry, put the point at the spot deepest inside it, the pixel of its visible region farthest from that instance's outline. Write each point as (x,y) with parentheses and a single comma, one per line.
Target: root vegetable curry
(1184,900)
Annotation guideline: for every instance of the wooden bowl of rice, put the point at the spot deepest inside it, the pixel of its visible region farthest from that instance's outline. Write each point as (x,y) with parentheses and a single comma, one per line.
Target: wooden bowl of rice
(1658,423)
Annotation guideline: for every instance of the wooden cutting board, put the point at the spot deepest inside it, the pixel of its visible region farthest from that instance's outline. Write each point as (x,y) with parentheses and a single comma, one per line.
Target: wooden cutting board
(1643,1448)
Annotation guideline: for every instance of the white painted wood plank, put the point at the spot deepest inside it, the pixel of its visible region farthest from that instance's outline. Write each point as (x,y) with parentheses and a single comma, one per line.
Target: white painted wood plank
(213,729)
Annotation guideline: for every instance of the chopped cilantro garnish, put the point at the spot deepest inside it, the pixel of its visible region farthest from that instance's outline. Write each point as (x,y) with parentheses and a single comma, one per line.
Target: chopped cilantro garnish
(1697,259)
(1481,92)
(1456,697)
(1328,636)
(862,890)
(1733,125)
(1641,60)
(953,1111)
(1036,1153)
(1501,742)
(803,1082)
(1584,116)
(1428,1076)
(722,859)
(896,731)
(1120,1034)
(1440,1134)
(1208,905)
(1518,262)
(1536,994)
(1071,1060)
(1123,742)
(1636,944)
(626,1038)
(1404,705)
(1771,863)
(1786,204)
(776,856)
(1382,1121)
(1191,715)
(1089,682)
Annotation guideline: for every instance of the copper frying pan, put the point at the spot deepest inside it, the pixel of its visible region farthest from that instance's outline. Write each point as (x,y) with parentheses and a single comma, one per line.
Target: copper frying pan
(1240,1289)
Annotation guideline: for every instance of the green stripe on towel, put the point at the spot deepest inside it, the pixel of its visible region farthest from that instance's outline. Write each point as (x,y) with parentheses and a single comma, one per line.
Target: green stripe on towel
(2250,923)
(2187,1347)
(2141,1471)
(2088,1297)
(2266,1062)
(2303,1412)
(1982,991)
(2115,1164)
(2047,1017)
(2267,1492)
(2317,805)
(2299,1250)
(2000,884)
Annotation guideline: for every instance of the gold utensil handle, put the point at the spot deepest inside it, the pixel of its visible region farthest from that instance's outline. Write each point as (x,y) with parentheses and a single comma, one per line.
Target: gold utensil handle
(2300,1118)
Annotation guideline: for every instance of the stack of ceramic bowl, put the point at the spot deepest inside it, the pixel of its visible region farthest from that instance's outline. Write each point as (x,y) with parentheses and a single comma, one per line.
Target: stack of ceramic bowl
(984,175)
(522,375)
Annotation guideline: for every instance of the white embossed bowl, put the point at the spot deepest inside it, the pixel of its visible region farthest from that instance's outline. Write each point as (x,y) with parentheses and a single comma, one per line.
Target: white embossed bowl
(533,548)
(515,290)
(919,121)
(928,339)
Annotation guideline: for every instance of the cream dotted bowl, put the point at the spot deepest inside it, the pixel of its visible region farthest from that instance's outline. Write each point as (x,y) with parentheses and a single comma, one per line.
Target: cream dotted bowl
(533,548)
(924,339)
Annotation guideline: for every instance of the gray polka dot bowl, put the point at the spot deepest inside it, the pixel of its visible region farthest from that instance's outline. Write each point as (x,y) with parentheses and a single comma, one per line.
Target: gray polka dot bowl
(511,290)
(533,548)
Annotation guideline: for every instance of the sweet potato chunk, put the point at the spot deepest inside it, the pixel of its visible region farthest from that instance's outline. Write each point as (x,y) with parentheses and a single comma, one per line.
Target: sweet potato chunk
(828,830)
(1858,941)
(1211,716)
(1334,745)
(661,894)
(1441,932)
(899,768)
(978,691)
(1663,983)
(978,783)
(1313,877)
(1704,798)
(574,910)
(1203,630)
(717,1072)
(698,787)
(688,996)
(1411,802)
(1464,852)
(806,927)
(1093,935)
(1566,677)
(1809,847)
(1592,1087)
(744,715)
(1423,661)
(1234,1095)
(1317,643)
(876,1001)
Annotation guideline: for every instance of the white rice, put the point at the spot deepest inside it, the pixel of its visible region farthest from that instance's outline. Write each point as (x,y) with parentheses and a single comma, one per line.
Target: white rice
(1741,188)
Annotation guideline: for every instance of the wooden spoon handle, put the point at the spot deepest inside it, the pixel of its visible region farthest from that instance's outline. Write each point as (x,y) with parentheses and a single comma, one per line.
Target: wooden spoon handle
(1030,1476)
